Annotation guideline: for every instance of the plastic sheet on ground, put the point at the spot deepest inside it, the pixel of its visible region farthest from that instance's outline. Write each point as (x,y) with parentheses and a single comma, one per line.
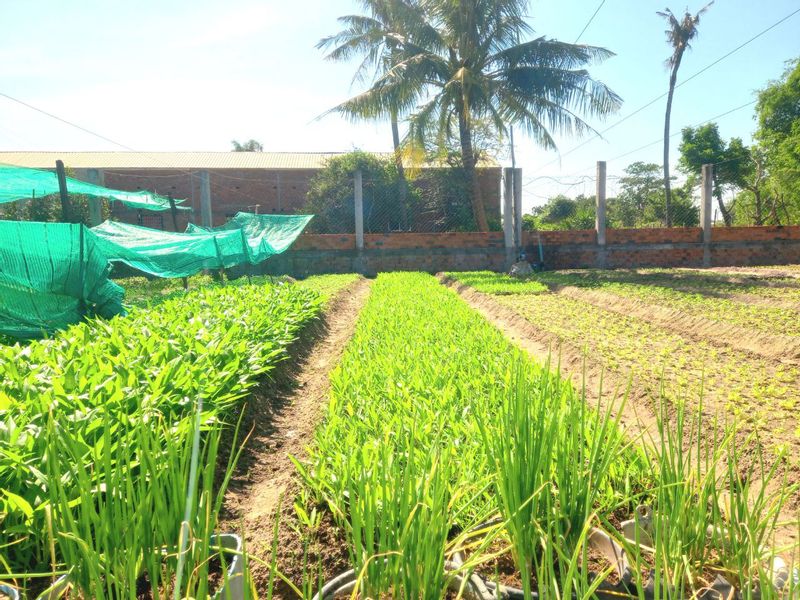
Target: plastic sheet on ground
(51,276)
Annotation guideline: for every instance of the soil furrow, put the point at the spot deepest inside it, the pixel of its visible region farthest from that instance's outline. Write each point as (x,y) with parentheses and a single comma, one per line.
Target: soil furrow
(283,416)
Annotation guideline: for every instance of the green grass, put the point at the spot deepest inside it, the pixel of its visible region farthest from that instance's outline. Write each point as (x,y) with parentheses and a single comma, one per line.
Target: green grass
(328,286)
(489,282)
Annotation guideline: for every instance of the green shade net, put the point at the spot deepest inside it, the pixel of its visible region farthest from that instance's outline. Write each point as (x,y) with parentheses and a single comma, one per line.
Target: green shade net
(247,239)
(52,275)
(19,183)
(266,234)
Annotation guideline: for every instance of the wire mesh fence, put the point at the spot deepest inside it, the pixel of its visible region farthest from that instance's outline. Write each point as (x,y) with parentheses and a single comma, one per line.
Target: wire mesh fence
(428,205)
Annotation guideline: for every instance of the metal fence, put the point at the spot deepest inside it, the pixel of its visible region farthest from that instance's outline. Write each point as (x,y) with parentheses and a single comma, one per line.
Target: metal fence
(425,205)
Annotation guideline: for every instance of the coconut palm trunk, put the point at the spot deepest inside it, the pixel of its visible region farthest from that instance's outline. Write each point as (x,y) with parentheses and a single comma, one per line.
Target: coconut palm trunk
(402,184)
(471,173)
(673,77)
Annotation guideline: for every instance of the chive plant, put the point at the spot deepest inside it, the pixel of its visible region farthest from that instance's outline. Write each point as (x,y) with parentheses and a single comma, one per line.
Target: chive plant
(435,423)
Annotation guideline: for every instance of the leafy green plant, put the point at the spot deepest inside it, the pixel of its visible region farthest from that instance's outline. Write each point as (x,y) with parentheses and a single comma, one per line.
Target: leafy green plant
(96,386)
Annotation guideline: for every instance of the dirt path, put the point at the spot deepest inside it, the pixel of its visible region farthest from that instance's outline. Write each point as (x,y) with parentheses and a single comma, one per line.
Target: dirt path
(283,416)
(637,418)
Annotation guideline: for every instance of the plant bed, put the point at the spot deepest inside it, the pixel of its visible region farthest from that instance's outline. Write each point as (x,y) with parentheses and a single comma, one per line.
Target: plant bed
(437,422)
(120,400)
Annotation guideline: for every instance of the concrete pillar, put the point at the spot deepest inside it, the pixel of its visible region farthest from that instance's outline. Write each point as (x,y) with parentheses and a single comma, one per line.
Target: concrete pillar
(518,209)
(359,209)
(600,214)
(206,218)
(508,215)
(705,212)
(358,205)
(97,177)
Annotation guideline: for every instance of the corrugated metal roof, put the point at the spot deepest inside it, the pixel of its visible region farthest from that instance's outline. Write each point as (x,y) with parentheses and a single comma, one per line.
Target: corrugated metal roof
(173,160)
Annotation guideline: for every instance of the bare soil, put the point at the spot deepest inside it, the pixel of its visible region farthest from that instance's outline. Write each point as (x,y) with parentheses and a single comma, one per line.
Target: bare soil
(282,416)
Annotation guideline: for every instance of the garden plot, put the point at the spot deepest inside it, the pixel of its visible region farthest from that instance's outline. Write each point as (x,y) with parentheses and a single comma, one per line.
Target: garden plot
(781,291)
(763,393)
(448,461)
(107,427)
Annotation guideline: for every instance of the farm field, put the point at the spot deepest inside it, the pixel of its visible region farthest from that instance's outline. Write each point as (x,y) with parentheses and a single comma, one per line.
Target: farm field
(682,333)
(433,432)
(419,452)
(120,406)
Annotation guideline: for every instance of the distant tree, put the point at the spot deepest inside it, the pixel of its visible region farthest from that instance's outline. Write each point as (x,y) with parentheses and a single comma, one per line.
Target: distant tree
(248,146)
(778,135)
(562,212)
(679,35)
(640,200)
(331,197)
(641,190)
(733,162)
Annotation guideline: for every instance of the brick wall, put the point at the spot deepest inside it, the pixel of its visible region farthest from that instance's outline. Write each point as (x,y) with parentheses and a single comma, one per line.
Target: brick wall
(677,247)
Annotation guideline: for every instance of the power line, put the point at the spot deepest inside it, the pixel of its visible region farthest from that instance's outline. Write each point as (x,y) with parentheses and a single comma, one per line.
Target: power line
(585,27)
(147,155)
(653,143)
(658,141)
(70,123)
(657,98)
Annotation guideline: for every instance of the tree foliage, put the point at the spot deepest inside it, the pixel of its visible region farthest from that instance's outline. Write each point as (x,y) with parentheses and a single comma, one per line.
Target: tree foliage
(248,146)
(562,212)
(456,63)
(778,134)
(331,195)
(733,165)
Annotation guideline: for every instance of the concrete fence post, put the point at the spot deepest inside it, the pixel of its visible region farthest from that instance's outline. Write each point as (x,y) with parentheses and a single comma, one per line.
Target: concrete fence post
(206,218)
(358,205)
(705,212)
(358,194)
(600,214)
(518,210)
(508,215)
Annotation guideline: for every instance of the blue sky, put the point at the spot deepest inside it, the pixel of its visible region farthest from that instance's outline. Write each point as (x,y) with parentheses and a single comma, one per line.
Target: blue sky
(193,75)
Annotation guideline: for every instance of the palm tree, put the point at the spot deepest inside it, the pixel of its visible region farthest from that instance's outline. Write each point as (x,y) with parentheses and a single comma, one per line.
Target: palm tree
(377,39)
(462,63)
(679,34)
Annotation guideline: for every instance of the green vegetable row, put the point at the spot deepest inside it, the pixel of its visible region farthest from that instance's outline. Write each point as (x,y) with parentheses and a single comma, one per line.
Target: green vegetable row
(419,438)
(96,428)
(437,425)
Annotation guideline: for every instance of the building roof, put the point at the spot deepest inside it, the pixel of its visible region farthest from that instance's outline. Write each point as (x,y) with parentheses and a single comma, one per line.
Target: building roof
(173,160)
(170,160)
